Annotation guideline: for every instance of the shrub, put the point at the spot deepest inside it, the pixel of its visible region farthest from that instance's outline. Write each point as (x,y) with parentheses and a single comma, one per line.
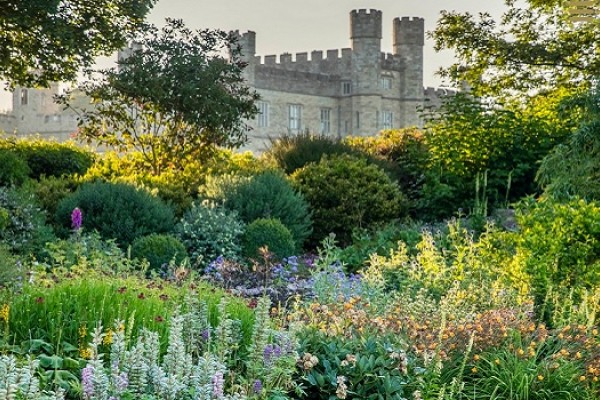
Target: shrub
(209,232)
(50,191)
(158,250)
(25,230)
(345,192)
(267,195)
(292,152)
(270,233)
(405,149)
(13,169)
(559,246)
(117,211)
(46,158)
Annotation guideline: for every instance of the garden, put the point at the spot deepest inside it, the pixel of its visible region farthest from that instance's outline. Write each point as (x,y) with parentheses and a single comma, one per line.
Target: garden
(457,261)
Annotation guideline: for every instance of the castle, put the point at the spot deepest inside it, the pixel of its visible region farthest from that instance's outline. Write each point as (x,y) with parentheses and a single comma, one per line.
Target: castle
(360,91)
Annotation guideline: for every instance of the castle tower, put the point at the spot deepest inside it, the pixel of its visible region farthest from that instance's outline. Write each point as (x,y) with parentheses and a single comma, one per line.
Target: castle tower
(247,46)
(409,39)
(365,34)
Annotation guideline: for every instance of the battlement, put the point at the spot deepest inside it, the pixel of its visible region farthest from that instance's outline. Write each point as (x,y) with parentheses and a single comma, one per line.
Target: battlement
(409,31)
(289,60)
(366,24)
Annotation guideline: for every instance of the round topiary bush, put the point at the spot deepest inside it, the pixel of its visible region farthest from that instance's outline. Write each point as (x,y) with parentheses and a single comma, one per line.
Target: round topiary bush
(208,232)
(158,249)
(268,195)
(344,193)
(117,211)
(269,233)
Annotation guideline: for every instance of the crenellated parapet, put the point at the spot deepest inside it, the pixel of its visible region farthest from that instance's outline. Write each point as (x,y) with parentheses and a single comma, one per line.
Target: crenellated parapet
(434,97)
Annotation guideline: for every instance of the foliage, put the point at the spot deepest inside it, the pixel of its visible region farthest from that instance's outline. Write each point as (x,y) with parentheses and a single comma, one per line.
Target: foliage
(84,252)
(47,158)
(136,109)
(559,245)
(50,191)
(534,46)
(13,169)
(21,381)
(572,169)
(469,138)
(50,41)
(265,195)
(405,149)
(117,211)
(26,230)
(208,232)
(371,368)
(345,192)
(378,241)
(267,233)
(158,250)
(11,269)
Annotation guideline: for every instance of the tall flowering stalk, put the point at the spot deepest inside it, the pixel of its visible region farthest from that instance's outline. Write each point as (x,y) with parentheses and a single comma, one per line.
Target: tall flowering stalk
(76,219)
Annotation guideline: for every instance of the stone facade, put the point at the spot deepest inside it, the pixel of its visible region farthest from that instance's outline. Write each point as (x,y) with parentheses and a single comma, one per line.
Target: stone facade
(353,91)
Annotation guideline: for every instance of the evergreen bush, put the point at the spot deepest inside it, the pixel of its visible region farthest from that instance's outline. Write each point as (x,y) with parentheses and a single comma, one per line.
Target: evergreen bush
(267,195)
(344,193)
(117,211)
(158,249)
(268,233)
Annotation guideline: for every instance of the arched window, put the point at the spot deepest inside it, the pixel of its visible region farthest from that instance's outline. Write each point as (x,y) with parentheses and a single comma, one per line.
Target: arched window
(24,97)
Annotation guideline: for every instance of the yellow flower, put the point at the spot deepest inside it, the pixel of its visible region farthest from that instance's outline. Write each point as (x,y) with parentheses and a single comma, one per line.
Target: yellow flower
(582,378)
(4,312)
(540,377)
(520,352)
(82,331)
(107,338)
(85,353)
(476,357)
(474,370)
(497,361)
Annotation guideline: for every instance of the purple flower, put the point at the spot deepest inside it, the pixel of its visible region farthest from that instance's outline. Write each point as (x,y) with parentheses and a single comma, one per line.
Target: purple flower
(205,335)
(122,382)
(76,219)
(258,386)
(268,354)
(87,381)
(217,382)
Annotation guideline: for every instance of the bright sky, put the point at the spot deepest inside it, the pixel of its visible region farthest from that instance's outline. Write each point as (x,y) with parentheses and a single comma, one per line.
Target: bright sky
(304,25)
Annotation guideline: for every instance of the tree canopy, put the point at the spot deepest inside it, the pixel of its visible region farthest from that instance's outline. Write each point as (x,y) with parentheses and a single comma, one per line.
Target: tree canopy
(176,95)
(51,40)
(530,48)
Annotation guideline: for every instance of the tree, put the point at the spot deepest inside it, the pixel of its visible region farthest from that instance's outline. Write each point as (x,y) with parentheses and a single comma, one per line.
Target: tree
(45,41)
(573,168)
(174,97)
(537,47)
(497,142)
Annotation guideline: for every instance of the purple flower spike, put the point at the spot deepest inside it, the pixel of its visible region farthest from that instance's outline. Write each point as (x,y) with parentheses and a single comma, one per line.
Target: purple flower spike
(87,381)
(76,219)
(258,386)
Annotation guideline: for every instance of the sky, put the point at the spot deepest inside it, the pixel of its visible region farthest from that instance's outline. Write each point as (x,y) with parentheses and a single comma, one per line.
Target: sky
(295,26)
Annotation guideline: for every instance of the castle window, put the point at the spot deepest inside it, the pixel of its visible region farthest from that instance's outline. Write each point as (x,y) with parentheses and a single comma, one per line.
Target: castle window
(357,120)
(325,120)
(387,120)
(24,97)
(386,82)
(263,114)
(346,87)
(294,117)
